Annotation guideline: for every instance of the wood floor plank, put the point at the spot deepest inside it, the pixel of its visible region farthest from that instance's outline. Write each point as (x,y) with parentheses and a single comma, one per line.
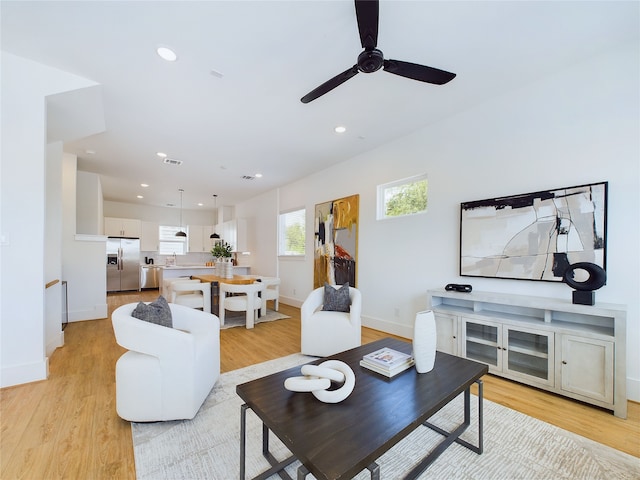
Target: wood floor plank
(67,426)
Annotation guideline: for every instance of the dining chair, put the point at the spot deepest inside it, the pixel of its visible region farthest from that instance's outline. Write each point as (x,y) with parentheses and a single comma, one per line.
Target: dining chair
(192,294)
(241,298)
(271,292)
(167,282)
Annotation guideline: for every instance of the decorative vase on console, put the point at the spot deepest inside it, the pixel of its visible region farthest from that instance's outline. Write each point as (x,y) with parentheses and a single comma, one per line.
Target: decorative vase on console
(424,341)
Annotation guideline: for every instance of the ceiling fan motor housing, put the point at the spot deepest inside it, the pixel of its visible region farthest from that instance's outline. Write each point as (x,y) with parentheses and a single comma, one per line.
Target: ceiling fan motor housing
(370,61)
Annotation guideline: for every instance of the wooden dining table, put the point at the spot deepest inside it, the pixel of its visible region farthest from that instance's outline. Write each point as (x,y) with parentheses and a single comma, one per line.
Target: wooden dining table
(215,282)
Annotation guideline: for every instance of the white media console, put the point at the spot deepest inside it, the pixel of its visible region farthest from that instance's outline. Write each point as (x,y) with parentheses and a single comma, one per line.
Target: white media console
(578,351)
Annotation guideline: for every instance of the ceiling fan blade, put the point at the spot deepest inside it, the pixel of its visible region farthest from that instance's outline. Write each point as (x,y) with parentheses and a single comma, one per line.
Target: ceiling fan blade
(367,15)
(418,72)
(330,84)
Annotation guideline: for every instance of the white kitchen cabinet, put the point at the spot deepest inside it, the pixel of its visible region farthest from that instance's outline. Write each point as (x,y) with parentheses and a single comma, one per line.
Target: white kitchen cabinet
(198,238)
(195,238)
(150,237)
(578,351)
(234,232)
(447,333)
(122,227)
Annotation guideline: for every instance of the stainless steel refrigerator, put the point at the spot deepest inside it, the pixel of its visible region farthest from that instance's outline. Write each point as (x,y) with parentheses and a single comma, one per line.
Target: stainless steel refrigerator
(123,264)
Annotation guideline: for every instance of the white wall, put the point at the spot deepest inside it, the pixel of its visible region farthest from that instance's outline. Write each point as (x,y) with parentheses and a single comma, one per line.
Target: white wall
(578,126)
(89,204)
(161,215)
(54,336)
(83,256)
(261,214)
(25,84)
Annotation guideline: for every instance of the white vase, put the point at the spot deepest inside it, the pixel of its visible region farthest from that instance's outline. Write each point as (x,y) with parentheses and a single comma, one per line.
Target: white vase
(424,341)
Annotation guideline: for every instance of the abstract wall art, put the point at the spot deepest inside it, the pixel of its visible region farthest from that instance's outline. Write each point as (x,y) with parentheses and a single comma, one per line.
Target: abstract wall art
(534,236)
(336,242)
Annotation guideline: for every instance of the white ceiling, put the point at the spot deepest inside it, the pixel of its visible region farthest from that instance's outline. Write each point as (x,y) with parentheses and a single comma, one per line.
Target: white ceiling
(271,53)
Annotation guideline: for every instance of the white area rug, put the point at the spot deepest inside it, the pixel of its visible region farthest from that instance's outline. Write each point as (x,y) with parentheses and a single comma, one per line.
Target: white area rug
(516,446)
(238,319)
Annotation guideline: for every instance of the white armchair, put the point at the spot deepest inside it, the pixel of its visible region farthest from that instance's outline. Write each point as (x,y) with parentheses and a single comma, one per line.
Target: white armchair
(325,333)
(167,372)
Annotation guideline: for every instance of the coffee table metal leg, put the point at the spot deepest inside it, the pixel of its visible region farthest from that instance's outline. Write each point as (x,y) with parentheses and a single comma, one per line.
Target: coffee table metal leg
(475,448)
(302,472)
(454,436)
(374,469)
(243,445)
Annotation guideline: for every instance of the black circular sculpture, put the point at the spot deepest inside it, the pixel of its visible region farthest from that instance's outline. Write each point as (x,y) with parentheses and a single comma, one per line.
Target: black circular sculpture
(584,289)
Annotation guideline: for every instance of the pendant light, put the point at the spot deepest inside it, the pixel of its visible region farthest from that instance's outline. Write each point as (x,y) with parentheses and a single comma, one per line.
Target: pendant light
(214,235)
(181,233)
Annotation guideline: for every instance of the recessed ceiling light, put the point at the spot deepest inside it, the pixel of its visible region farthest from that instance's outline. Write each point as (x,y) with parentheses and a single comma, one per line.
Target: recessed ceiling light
(161,154)
(90,152)
(140,196)
(258,175)
(144,185)
(216,73)
(167,54)
(200,204)
(340,129)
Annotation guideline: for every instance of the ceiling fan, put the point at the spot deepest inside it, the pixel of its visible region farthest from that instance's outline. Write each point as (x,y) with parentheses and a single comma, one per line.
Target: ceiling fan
(371,59)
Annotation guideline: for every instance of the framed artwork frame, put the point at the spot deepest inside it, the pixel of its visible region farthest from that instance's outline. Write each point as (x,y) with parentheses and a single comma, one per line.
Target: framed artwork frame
(336,242)
(534,236)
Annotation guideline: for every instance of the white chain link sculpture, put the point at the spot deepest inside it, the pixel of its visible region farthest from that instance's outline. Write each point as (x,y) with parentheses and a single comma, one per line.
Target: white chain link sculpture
(317,380)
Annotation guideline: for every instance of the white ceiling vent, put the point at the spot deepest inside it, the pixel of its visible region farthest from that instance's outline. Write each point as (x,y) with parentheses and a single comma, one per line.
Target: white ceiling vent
(172,161)
(248,177)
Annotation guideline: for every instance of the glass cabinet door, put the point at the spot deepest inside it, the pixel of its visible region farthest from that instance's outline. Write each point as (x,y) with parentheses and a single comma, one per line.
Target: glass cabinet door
(530,353)
(481,343)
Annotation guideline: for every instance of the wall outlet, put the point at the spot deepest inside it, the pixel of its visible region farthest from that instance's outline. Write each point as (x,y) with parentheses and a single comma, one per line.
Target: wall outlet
(396,311)
(294,291)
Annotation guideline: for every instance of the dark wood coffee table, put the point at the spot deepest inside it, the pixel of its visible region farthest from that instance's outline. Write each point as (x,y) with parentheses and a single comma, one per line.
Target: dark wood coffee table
(337,441)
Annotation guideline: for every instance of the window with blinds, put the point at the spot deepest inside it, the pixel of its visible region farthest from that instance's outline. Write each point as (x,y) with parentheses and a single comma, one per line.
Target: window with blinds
(291,233)
(169,243)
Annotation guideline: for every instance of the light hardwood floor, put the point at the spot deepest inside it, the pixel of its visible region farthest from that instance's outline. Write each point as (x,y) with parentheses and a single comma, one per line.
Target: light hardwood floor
(67,426)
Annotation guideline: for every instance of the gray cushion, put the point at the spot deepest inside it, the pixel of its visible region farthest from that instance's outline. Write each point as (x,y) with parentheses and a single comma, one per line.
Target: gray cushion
(157,312)
(336,300)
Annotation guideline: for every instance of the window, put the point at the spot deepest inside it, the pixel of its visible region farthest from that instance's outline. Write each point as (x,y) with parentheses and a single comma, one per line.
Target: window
(169,243)
(291,233)
(402,197)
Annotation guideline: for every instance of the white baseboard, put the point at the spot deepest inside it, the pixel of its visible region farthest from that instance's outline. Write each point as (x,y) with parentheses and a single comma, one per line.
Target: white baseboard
(387,326)
(57,342)
(294,302)
(27,373)
(633,389)
(95,313)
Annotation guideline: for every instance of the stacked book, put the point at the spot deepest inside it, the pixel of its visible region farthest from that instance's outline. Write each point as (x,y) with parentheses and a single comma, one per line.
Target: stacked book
(387,361)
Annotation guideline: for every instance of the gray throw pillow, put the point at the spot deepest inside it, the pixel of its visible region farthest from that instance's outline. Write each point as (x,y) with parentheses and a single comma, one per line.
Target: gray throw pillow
(336,300)
(157,312)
